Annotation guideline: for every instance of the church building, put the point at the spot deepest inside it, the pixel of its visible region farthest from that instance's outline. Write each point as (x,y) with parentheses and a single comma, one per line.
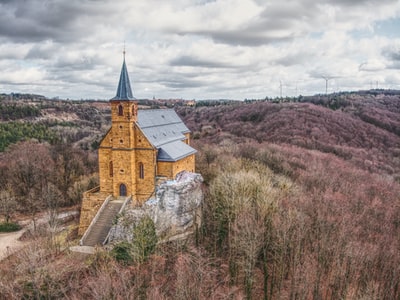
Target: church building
(142,147)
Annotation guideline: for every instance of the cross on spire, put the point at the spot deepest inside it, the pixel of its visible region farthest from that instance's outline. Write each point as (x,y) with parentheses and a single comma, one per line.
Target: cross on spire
(124,51)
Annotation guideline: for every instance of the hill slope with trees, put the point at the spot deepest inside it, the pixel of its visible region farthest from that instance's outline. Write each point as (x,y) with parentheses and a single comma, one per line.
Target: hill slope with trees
(301,202)
(363,131)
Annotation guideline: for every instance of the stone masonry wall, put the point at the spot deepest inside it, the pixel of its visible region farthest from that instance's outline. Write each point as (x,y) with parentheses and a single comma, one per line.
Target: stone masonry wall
(165,169)
(91,203)
(170,169)
(187,164)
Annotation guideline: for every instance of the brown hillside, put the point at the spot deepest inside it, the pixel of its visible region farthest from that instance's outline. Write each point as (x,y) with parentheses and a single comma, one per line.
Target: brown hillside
(301,202)
(344,133)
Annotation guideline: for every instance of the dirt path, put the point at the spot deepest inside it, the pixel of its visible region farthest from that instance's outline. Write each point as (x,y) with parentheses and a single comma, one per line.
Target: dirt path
(9,242)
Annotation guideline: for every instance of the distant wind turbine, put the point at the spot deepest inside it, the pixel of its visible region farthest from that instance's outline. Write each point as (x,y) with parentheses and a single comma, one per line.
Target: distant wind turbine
(326,83)
(327,78)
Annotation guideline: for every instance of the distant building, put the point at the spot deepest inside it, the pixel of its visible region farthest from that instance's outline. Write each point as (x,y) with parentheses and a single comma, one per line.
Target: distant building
(190,103)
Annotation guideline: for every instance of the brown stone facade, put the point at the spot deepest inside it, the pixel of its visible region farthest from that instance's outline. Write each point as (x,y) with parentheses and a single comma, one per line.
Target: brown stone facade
(170,169)
(127,158)
(91,203)
(128,163)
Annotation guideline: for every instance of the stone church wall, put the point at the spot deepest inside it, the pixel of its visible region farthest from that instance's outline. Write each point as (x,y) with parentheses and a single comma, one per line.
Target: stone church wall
(170,169)
(145,186)
(186,163)
(165,169)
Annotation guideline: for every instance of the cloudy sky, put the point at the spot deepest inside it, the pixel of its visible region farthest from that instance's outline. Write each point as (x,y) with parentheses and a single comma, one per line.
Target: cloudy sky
(198,49)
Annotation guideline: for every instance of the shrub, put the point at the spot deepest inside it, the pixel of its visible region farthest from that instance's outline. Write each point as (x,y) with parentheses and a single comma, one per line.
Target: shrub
(144,239)
(122,253)
(9,227)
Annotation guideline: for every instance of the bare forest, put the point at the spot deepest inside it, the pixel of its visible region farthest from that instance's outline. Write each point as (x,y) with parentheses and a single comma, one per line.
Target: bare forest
(302,201)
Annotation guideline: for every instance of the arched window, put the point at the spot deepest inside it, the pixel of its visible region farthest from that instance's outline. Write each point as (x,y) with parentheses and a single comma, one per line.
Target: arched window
(120,110)
(110,169)
(141,170)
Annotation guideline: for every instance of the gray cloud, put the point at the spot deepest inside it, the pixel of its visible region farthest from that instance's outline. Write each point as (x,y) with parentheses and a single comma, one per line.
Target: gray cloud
(81,62)
(190,47)
(392,54)
(181,83)
(354,3)
(41,51)
(295,59)
(190,61)
(247,38)
(36,20)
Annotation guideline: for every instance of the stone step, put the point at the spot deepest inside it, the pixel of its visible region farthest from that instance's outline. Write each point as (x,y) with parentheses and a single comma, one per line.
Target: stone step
(100,229)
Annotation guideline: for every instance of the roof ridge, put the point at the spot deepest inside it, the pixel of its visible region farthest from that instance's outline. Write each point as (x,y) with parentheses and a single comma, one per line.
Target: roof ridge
(153,109)
(158,125)
(171,141)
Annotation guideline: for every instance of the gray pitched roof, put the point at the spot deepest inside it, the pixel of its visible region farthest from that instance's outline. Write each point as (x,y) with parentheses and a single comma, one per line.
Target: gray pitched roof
(124,91)
(165,131)
(174,151)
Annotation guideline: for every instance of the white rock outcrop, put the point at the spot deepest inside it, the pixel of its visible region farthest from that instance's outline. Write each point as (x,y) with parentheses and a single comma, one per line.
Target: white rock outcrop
(175,211)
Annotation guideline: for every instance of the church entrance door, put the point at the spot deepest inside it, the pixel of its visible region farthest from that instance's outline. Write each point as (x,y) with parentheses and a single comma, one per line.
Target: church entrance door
(122,190)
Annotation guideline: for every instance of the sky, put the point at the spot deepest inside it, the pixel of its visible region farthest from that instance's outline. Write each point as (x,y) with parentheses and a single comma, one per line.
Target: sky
(198,49)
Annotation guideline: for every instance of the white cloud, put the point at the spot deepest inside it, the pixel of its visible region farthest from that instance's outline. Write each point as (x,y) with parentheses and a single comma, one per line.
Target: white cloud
(196,49)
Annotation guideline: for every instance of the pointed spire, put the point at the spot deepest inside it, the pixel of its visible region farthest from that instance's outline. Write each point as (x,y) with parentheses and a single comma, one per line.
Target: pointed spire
(124,91)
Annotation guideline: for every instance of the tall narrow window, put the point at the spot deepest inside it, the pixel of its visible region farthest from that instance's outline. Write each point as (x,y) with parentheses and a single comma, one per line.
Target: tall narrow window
(120,110)
(110,169)
(141,170)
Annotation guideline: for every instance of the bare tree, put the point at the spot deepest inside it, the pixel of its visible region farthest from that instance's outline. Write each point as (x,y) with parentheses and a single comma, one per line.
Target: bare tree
(248,234)
(7,203)
(68,169)
(30,171)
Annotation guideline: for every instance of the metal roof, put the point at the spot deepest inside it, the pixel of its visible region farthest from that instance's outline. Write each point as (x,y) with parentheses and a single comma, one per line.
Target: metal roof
(160,135)
(161,126)
(165,131)
(124,91)
(174,151)
(159,117)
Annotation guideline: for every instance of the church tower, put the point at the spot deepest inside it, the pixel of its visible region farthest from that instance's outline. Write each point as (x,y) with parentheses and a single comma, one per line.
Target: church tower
(142,147)
(120,166)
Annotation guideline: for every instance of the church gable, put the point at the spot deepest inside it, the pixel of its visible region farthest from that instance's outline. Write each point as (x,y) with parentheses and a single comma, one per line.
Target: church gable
(141,139)
(106,142)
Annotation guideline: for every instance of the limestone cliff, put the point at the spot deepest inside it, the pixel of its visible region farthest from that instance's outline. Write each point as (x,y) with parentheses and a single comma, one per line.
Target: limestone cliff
(175,210)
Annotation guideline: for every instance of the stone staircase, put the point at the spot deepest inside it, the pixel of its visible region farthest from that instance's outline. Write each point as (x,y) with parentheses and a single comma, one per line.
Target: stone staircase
(99,230)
